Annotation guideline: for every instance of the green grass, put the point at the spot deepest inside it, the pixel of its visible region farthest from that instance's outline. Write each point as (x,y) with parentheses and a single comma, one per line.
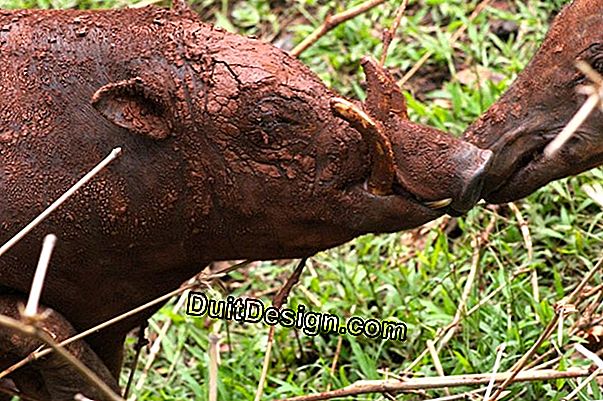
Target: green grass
(414,277)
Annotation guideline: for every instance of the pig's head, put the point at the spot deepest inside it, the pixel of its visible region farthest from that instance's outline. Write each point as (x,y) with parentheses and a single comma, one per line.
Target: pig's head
(275,162)
(539,104)
(410,161)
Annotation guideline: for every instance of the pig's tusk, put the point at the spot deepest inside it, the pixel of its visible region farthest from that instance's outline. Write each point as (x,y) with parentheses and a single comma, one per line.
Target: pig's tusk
(382,157)
(439,204)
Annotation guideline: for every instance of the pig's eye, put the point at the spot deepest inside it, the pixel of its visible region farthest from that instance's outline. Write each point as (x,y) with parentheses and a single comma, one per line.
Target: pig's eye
(275,122)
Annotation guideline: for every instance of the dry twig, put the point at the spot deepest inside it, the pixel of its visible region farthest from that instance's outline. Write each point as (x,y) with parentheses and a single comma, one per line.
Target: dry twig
(593,357)
(31,309)
(279,299)
(140,344)
(501,349)
(388,34)
(436,362)
(393,386)
(214,355)
(331,22)
(99,167)
(595,92)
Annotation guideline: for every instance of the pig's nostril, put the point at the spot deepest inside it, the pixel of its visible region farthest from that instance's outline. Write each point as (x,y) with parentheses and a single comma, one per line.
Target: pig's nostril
(472,190)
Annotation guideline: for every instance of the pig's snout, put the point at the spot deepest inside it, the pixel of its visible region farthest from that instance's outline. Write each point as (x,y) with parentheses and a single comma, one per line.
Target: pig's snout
(472,163)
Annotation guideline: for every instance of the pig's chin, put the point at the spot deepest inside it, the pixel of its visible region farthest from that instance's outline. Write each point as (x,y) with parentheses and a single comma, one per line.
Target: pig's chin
(533,173)
(515,187)
(390,213)
(513,178)
(533,170)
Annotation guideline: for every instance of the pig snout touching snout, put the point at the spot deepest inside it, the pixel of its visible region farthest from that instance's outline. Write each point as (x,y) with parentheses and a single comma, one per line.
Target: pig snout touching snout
(539,104)
(445,171)
(410,160)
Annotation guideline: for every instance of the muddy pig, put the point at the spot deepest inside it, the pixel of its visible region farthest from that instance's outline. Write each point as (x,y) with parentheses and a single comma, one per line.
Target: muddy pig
(232,149)
(539,104)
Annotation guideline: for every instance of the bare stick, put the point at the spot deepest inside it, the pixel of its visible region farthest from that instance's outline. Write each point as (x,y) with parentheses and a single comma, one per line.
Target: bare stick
(525,229)
(213,366)
(501,349)
(331,22)
(423,383)
(589,354)
(389,34)
(595,93)
(593,357)
(99,167)
(279,299)
(436,362)
(455,36)
(335,359)
(527,239)
(584,383)
(31,309)
(575,123)
(337,350)
(140,344)
(468,395)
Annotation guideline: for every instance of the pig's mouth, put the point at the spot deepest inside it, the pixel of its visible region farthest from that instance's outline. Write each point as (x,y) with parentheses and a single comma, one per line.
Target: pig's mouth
(461,193)
(520,168)
(455,203)
(512,185)
(441,205)
(453,206)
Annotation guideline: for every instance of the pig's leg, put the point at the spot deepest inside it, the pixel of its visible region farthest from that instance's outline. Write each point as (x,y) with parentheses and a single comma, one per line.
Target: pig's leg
(49,378)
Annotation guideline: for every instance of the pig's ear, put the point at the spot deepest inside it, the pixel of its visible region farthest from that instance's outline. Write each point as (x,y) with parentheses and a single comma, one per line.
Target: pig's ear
(383,93)
(136,106)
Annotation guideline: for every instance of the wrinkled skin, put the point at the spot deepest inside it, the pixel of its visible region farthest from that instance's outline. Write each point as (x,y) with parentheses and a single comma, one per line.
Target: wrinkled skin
(231,150)
(539,104)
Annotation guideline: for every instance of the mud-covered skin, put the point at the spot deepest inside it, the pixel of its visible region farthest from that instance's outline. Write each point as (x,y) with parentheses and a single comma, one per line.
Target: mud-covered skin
(539,104)
(48,377)
(230,151)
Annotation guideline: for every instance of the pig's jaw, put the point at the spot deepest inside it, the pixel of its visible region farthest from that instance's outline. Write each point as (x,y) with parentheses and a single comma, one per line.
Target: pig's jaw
(515,177)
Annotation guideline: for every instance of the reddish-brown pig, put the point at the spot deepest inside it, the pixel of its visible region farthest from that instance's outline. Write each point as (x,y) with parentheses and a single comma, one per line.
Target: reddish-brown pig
(539,104)
(232,149)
